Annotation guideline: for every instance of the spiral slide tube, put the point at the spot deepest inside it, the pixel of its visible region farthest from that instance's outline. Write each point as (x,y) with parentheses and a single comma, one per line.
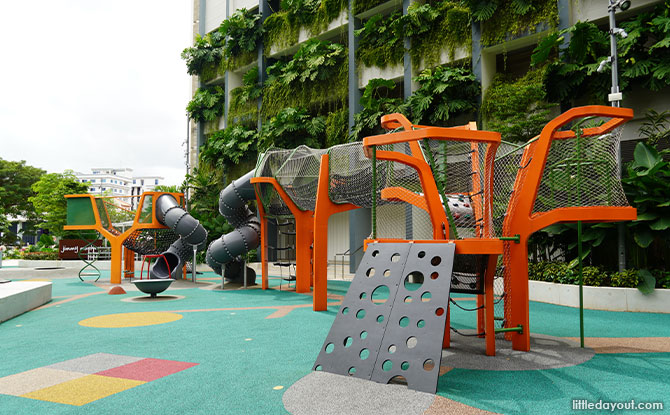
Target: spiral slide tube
(246,236)
(191,232)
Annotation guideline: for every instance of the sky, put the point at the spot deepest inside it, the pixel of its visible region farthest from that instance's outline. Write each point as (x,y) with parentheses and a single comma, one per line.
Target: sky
(91,83)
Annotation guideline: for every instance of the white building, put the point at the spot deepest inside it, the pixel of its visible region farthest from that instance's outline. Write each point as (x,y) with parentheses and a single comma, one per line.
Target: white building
(118,182)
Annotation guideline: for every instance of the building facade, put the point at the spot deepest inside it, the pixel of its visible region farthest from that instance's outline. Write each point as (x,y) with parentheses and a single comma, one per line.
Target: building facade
(506,53)
(118,182)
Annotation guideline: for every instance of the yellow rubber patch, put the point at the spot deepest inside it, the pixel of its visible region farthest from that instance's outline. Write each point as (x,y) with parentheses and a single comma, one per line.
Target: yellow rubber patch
(83,390)
(149,318)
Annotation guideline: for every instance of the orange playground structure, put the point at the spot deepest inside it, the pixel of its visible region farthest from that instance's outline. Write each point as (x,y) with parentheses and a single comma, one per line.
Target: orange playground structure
(104,215)
(454,185)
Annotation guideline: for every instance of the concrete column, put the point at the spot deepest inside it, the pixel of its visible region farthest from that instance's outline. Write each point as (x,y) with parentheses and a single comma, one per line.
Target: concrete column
(264,10)
(354,92)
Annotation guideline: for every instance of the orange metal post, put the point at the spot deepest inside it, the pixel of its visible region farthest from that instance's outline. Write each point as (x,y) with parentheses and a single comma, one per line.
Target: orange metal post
(323,209)
(304,235)
(115,239)
(264,240)
(522,221)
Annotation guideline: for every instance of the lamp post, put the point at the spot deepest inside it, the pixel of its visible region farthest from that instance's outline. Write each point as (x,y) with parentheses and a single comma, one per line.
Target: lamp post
(615,96)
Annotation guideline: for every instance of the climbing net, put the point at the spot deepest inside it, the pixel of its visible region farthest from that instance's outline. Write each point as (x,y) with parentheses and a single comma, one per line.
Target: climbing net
(150,241)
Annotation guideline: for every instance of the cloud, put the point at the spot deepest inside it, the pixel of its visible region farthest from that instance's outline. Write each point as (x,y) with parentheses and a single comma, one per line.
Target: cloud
(87,84)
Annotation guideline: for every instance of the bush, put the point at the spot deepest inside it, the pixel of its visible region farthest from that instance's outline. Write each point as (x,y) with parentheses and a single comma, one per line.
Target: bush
(594,276)
(558,272)
(628,278)
(36,256)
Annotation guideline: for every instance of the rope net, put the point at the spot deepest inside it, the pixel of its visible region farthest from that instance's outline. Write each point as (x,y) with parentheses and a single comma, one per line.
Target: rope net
(150,241)
(582,171)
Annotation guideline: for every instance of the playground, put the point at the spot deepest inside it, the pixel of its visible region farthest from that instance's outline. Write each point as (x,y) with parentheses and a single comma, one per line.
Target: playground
(436,319)
(251,351)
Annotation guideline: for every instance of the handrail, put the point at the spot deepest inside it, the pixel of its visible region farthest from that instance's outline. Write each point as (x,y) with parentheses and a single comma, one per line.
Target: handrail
(343,254)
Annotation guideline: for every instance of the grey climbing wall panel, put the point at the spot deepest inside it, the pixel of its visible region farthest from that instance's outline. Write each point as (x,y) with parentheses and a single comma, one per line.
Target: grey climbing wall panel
(391,322)
(356,334)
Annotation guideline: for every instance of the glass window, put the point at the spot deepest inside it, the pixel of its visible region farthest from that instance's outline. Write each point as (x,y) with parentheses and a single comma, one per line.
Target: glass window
(156,181)
(134,181)
(92,189)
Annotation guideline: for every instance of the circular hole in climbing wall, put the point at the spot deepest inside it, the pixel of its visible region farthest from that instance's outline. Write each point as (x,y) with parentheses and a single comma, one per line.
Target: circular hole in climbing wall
(363,296)
(422,254)
(439,311)
(330,347)
(380,294)
(413,281)
(435,261)
(404,321)
(392,348)
(387,273)
(428,365)
(411,342)
(408,299)
(387,365)
(352,370)
(421,324)
(434,276)
(360,314)
(395,258)
(345,311)
(425,297)
(347,341)
(380,318)
(364,335)
(364,354)
(398,380)
(318,367)
(370,272)
(404,365)
(375,253)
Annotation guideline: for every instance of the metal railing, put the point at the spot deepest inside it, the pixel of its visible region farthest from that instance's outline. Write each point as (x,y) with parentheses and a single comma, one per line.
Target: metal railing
(344,254)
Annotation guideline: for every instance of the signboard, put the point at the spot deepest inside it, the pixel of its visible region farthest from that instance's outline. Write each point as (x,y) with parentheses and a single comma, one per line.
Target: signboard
(69,248)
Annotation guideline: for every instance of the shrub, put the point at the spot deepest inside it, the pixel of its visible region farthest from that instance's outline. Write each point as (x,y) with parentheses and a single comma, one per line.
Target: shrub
(39,255)
(627,278)
(558,272)
(594,276)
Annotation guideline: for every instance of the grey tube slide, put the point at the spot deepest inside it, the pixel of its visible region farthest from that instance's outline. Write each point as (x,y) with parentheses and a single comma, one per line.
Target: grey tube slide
(190,231)
(246,236)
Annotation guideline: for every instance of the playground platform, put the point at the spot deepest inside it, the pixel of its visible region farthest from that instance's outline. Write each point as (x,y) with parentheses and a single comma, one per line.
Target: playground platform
(203,350)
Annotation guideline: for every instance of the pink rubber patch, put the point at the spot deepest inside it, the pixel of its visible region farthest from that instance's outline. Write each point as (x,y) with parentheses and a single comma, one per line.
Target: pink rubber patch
(147,369)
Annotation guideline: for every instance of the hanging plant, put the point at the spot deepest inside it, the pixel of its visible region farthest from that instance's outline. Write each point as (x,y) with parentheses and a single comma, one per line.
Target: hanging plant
(359,6)
(206,51)
(242,31)
(502,18)
(380,41)
(337,127)
(290,128)
(283,27)
(444,93)
(379,98)
(644,57)
(433,28)
(517,108)
(243,107)
(207,104)
(229,146)
(316,78)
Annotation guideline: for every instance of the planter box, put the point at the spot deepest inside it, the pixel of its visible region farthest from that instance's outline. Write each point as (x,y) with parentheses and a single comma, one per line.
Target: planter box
(600,298)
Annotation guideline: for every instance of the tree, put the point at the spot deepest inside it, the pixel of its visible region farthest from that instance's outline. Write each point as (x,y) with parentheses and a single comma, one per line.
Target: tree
(172,188)
(49,199)
(16,179)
